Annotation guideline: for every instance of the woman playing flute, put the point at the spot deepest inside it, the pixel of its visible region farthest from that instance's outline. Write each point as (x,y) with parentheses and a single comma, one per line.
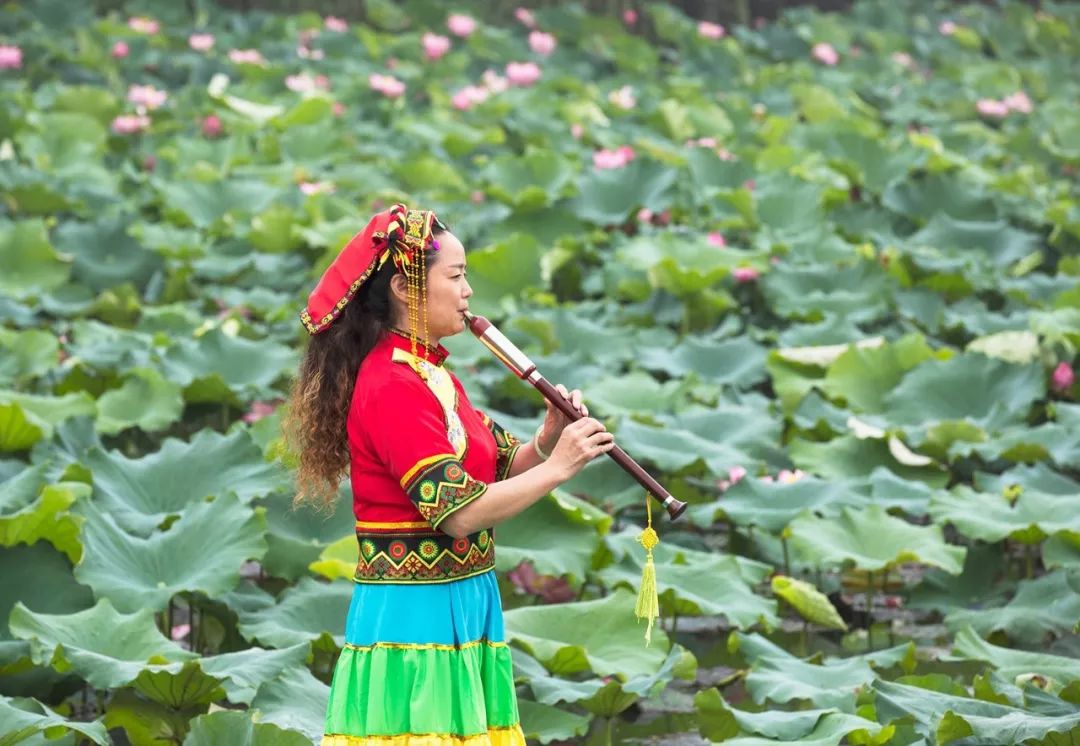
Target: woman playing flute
(425,652)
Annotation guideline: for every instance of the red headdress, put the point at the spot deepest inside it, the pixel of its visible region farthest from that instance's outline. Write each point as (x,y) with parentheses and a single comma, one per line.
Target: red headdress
(398,233)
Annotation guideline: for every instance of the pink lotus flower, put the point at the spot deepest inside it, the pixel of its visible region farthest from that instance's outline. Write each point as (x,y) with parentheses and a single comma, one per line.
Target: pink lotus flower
(333,23)
(494,82)
(992,108)
(623,98)
(1018,101)
(461,25)
(541,43)
(744,274)
(613,158)
(211,126)
(119,50)
(316,187)
(947,28)
(143,25)
(306,53)
(736,474)
(129,124)
(387,85)
(825,54)
(644,215)
(259,409)
(476,197)
(550,588)
(338,109)
(708,30)
(715,238)
(525,17)
(469,96)
(247,57)
(304,83)
(903,59)
(522,74)
(787,476)
(576,131)
(435,45)
(629,17)
(1063,378)
(10,58)
(146,95)
(180,631)
(201,42)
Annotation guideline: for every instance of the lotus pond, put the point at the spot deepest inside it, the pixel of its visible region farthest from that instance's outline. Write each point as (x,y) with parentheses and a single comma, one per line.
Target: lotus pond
(821,276)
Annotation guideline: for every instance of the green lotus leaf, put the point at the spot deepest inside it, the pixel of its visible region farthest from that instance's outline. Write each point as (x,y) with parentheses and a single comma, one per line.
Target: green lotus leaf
(19,430)
(105,255)
(972,386)
(337,560)
(26,355)
(503,270)
(1011,346)
(273,230)
(798,291)
(529,181)
(550,537)
(978,585)
(203,204)
(813,605)
(31,511)
(609,196)
(921,198)
(105,647)
(788,209)
(773,505)
(109,348)
(1044,606)
(249,368)
(548,689)
(1011,663)
(949,717)
(871,539)
(547,723)
(849,457)
(296,700)
(243,672)
(712,175)
(24,718)
(636,392)
(1048,441)
(141,493)
(864,376)
(681,265)
(303,613)
(1061,551)
(239,728)
(202,551)
(833,684)
(178,687)
(31,265)
(1030,518)
(39,577)
(737,362)
(819,727)
(601,636)
(689,582)
(46,412)
(297,535)
(146,400)
(997,240)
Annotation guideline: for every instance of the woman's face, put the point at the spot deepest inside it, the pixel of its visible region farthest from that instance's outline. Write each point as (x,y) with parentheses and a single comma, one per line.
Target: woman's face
(447,290)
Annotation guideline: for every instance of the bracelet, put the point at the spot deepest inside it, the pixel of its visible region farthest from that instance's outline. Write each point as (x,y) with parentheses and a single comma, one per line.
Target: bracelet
(536,443)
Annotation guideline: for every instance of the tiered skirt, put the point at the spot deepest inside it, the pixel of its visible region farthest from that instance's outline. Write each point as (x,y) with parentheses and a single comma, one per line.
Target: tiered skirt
(424,665)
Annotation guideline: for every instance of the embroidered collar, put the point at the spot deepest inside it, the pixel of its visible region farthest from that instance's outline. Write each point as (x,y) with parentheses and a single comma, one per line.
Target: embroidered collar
(435,355)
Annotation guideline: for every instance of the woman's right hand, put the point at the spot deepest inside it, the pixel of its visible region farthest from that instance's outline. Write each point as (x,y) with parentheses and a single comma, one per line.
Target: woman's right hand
(580,443)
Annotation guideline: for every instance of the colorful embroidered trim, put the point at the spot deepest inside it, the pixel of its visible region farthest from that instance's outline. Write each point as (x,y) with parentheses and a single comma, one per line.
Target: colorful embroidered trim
(510,736)
(440,486)
(419,554)
(506,444)
(423,646)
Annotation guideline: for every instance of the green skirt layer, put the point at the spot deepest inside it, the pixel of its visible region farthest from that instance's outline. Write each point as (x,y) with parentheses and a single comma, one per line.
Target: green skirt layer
(401,688)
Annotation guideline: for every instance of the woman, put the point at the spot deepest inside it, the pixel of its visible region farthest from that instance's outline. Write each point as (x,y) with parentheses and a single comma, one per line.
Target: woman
(425,659)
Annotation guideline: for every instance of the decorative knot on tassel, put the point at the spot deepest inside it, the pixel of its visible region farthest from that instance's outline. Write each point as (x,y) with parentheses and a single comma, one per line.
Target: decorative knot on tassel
(648,602)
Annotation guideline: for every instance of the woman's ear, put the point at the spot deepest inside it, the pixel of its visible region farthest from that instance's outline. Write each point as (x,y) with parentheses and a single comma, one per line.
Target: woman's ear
(399,287)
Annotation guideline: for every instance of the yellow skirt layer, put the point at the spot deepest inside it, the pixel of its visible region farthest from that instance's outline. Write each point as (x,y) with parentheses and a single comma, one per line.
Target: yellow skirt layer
(511,736)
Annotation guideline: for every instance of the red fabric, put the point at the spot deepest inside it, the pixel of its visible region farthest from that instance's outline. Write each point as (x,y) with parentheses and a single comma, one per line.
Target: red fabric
(350,268)
(395,421)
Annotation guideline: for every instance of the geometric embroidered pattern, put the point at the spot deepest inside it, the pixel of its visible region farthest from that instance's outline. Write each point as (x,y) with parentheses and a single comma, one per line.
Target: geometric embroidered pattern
(414,552)
(507,446)
(439,485)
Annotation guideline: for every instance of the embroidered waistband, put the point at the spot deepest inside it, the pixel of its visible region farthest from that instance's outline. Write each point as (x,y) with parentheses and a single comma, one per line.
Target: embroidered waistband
(407,552)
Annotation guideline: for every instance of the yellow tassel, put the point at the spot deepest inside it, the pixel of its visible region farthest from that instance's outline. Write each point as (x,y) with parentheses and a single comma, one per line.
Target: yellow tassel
(648,602)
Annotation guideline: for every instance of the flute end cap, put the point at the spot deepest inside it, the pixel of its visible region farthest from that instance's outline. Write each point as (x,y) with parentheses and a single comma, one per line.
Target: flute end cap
(675,508)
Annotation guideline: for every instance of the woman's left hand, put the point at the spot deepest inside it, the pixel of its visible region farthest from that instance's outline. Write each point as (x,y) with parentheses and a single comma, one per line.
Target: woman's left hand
(555,420)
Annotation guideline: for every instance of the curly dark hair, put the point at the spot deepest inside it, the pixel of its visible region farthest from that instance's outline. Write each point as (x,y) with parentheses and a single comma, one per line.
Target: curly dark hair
(318,405)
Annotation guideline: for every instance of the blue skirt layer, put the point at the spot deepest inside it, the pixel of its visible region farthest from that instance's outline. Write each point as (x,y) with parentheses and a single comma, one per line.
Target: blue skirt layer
(451,613)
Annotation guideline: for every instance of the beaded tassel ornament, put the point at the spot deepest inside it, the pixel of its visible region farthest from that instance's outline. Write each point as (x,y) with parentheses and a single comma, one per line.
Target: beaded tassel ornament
(648,602)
